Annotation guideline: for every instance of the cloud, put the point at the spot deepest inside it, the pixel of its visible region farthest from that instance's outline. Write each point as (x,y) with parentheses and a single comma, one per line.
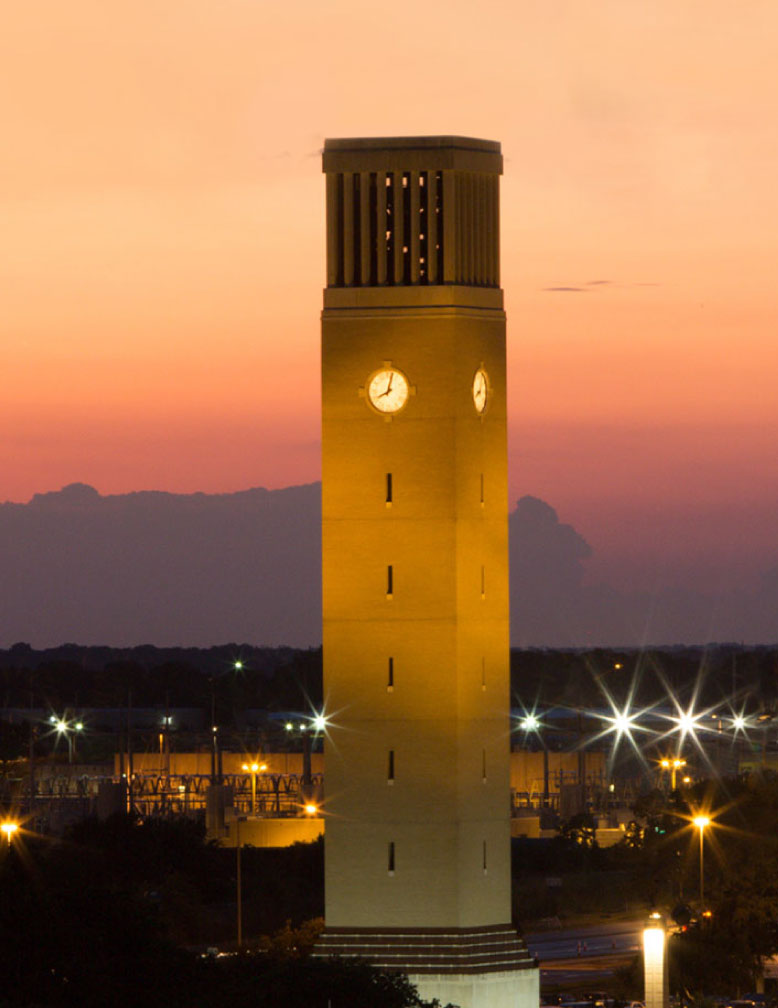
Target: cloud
(196,569)
(590,284)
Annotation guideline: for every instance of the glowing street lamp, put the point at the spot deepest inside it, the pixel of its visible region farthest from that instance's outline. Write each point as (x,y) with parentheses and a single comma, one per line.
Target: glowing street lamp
(532,723)
(701,821)
(311,809)
(63,727)
(655,970)
(9,829)
(673,765)
(254,769)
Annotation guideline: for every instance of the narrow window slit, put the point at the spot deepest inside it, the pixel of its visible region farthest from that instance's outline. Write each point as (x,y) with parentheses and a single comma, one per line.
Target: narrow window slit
(482,489)
(390,768)
(439,214)
(483,765)
(373,210)
(390,677)
(407,224)
(391,857)
(484,857)
(356,229)
(483,581)
(388,488)
(389,581)
(422,225)
(340,231)
(483,673)
(391,230)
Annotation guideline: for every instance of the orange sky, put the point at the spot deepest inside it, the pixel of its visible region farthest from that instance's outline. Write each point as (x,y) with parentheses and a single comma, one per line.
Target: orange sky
(162,245)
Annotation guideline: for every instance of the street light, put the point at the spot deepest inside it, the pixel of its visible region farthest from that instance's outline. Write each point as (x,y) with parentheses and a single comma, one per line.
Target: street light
(253,769)
(673,765)
(532,723)
(9,828)
(701,822)
(63,727)
(238,884)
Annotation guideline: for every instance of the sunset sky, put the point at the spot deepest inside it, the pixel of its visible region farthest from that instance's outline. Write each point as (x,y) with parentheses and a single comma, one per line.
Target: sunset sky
(162,249)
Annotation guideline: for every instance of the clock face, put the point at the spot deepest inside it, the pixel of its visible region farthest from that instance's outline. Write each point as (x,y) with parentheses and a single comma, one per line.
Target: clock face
(480,390)
(388,390)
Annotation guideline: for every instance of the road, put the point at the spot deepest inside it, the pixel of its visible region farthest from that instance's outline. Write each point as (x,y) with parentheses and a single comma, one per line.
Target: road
(585,953)
(620,938)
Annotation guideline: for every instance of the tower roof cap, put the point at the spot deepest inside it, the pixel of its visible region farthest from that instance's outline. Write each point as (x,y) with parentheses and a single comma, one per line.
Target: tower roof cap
(412,153)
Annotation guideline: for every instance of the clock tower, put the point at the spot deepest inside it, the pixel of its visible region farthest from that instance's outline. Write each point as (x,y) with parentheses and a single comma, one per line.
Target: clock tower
(415,570)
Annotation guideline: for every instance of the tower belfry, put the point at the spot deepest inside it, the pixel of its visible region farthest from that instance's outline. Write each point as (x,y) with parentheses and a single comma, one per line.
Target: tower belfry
(415,569)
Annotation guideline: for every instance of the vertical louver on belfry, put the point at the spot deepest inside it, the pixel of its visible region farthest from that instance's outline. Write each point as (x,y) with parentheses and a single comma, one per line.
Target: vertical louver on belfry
(435,221)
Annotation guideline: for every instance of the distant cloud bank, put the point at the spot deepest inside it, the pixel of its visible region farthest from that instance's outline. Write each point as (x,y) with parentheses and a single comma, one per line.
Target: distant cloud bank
(200,569)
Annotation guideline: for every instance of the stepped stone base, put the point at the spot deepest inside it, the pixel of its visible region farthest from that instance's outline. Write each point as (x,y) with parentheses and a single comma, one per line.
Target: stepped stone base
(515,989)
(485,967)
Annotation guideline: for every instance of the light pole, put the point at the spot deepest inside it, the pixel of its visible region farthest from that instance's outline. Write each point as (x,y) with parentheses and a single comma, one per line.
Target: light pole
(77,727)
(239,884)
(63,727)
(253,769)
(673,765)
(531,723)
(9,829)
(701,822)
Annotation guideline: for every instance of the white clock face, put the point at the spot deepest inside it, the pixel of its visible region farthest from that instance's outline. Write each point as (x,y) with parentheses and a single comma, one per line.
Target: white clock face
(480,390)
(388,390)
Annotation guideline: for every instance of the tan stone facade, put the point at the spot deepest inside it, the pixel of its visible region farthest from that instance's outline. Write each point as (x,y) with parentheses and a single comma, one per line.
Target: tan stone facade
(415,559)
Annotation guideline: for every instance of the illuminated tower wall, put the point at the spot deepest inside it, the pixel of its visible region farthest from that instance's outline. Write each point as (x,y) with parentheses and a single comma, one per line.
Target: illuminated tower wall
(415,568)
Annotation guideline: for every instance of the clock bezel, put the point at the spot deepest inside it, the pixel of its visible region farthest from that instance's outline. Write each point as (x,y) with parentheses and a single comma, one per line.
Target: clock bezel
(481,370)
(388,366)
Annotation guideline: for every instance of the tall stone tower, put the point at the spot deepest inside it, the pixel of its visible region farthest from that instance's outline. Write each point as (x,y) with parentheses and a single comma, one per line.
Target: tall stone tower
(415,569)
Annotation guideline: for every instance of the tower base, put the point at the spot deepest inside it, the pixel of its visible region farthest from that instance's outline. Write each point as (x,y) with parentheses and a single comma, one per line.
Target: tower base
(514,989)
(484,967)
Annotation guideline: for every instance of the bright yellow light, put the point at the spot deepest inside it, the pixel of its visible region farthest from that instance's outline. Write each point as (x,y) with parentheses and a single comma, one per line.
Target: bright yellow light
(701,821)
(238,665)
(665,764)
(678,763)
(9,828)
(254,767)
(263,766)
(530,723)
(319,722)
(687,780)
(61,726)
(617,665)
(245,767)
(654,944)
(311,809)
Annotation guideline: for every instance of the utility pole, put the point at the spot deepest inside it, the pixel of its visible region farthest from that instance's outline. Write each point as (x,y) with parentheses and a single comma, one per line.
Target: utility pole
(239,883)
